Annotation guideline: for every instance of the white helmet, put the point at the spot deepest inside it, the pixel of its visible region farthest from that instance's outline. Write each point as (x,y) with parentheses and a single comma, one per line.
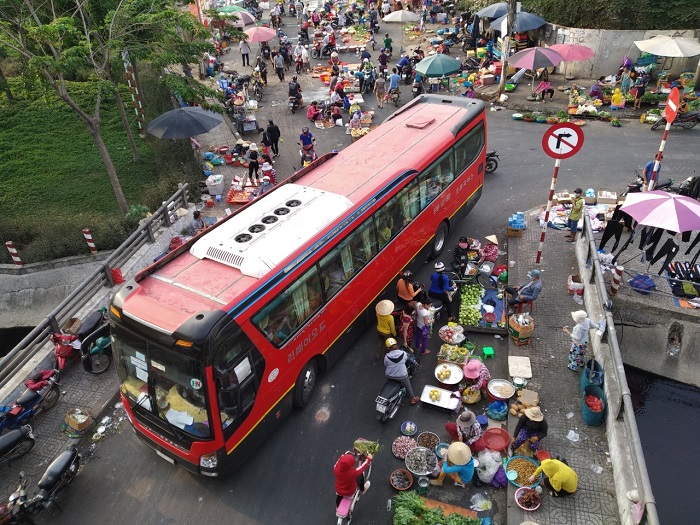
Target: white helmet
(366,60)
(257,69)
(362,49)
(439,266)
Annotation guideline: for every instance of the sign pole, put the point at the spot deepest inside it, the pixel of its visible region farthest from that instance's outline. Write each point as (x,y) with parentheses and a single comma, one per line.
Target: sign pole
(557,163)
(671,111)
(560,141)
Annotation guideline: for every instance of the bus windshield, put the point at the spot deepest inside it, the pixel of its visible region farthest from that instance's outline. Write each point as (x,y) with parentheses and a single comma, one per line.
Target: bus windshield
(162,383)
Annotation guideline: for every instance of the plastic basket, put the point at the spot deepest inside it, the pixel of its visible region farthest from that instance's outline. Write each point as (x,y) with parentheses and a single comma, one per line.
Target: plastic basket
(593,419)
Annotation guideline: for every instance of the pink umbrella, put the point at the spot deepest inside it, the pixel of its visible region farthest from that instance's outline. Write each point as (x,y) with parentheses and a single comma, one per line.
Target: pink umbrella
(663,210)
(260,34)
(534,58)
(573,52)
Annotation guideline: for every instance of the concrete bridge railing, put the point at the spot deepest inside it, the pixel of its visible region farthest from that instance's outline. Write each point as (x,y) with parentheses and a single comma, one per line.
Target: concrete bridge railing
(629,466)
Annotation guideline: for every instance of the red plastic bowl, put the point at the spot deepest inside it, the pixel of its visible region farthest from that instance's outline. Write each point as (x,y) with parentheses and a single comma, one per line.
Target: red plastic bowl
(542,455)
(496,439)
(489,317)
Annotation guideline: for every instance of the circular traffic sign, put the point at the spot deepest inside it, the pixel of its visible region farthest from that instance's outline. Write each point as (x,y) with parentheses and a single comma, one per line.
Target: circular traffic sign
(562,141)
(672,103)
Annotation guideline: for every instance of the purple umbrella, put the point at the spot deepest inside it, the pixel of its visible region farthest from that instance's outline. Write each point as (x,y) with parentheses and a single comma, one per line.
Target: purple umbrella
(533,58)
(663,210)
(573,52)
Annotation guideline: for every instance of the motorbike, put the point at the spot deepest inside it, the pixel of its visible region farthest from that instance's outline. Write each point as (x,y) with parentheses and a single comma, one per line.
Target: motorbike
(294,103)
(307,155)
(345,508)
(92,343)
(636,185)
(491,161)
(372,42)
(407,74)
(257,89)
(470,64)
(303,38)
(42,393)
(417,56)
(395,95)
(21,509)
(320,50)
(685,120)
(292,9)
(266,51)
(370,79)
(417,88)
(298,63)
(389,399)
(16,443)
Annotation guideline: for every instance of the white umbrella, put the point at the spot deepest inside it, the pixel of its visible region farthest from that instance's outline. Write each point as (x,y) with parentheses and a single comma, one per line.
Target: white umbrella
(402,16)
(244,19)
(668,46)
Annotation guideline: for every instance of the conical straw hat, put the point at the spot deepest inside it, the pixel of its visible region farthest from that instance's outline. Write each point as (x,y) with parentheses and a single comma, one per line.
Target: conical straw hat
(384,307)
(459,453)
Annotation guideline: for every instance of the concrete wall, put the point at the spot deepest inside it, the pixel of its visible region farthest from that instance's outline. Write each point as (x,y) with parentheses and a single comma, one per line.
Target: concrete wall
(611,47)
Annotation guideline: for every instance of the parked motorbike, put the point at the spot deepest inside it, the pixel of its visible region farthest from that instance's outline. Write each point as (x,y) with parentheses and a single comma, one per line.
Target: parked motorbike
(15,444)
(470,64)
(491,161)
(389,399)
(92,343)
(395,95)
(320,50)
(636,185)
(685,120)
(345,508)
(21,509)
(42,394)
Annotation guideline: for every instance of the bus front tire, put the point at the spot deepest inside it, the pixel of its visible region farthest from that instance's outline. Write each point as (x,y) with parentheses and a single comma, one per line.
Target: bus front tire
(305,385)
(439,240)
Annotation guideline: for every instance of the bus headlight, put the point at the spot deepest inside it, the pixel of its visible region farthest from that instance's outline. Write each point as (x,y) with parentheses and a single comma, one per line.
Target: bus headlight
(208,461)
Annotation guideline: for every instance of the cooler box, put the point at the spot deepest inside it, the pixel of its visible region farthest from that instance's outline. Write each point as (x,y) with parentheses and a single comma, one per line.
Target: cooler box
(215,184)
(488,80)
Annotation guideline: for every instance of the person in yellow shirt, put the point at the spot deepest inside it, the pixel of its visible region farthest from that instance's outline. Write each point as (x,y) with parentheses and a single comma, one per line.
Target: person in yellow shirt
(560,478)
(617,100)
(386,327)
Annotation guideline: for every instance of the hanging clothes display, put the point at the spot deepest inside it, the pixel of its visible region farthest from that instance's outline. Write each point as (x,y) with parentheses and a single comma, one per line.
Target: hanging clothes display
(669,249)
(612,229)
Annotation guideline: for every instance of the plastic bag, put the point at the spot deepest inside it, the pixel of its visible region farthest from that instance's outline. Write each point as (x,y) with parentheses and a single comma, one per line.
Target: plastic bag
(498,410)
(642,283)
(489,462)
(500,479)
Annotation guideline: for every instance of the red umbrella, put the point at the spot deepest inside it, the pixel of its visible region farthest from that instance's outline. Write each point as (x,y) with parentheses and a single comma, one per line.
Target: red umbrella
(260,34)
(573,52)
(533,58)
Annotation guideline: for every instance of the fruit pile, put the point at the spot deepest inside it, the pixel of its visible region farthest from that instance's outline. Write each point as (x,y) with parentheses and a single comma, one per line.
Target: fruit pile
(469,308)
(452,353)
(434,395)
(443,373)
(357,133)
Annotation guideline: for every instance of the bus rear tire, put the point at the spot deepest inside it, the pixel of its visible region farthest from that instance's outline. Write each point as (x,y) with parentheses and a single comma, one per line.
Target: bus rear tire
(439,240)
(305,385)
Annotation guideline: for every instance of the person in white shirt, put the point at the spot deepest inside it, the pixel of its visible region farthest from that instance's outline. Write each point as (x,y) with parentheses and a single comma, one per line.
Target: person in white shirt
(424,322)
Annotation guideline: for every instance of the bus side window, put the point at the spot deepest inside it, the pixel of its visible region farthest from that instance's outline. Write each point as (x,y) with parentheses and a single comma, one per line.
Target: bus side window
(468,148)
(282,317)
(333,276)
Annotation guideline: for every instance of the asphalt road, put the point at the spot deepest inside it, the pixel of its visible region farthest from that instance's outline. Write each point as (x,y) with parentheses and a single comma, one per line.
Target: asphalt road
(290,480)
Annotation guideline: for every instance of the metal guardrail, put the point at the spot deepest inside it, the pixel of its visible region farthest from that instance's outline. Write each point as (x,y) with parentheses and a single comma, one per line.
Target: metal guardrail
(101,277)
(625,410)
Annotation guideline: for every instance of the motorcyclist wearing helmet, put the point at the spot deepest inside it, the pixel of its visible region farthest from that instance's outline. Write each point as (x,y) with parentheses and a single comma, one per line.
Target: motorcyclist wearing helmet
(387,44)
(403,62)
(395,368)
(383,58)
(307,142)
(364,54)
(408,290)
(367,66)
(442,288)
(295,89)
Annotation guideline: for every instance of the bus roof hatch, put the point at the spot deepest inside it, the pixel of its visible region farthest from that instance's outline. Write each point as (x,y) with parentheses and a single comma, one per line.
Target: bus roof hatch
(270,229)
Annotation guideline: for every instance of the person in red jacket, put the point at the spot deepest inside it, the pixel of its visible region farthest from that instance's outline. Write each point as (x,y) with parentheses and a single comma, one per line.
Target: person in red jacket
(349,478)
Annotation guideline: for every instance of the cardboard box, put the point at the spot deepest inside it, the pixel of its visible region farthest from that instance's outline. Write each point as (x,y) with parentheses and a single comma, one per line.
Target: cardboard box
(514,232)
(72,326)
(563,197)
(607,197)
(590,200)
(521,333)
(78,420)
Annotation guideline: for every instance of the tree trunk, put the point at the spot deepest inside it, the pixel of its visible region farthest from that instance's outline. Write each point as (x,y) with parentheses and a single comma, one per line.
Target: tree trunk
(125,123)
(111,170)
(6,87)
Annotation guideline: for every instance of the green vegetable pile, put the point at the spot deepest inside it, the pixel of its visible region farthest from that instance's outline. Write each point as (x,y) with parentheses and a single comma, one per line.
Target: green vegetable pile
(365,447)
(410,509)
(469,313)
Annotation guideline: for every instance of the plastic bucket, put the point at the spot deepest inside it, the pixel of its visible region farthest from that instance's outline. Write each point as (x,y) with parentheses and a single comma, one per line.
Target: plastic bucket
(592,374)
(593,419)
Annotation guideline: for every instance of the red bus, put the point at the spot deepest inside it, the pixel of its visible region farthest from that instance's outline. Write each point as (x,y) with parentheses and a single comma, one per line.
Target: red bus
(219,340)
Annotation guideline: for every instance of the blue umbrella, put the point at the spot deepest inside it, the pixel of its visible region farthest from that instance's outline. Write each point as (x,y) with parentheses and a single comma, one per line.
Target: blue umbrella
(521,22)
(494,10)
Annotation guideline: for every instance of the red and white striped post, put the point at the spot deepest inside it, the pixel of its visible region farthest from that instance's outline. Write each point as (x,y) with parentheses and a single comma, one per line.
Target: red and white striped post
(670,113)
(616,279)
(14,253)
(560,141)
(134,91)
(89,241)
(552,187)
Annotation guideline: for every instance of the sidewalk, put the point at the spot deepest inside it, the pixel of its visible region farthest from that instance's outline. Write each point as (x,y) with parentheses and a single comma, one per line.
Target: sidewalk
(558,387)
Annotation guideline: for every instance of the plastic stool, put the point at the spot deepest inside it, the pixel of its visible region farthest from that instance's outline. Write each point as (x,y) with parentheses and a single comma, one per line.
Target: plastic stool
(217,198)
(488,351)
(529,304)
(614,108)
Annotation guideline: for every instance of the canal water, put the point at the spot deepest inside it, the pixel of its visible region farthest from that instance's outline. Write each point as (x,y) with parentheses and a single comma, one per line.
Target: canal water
(667,417)
(10,337)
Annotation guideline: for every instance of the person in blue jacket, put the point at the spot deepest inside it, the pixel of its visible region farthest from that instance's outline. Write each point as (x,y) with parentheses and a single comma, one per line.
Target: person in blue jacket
(526,292)
(458,464)
(442,288)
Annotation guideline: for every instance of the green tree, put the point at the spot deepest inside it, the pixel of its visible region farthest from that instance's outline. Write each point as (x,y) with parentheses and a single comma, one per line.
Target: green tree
(3,81)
